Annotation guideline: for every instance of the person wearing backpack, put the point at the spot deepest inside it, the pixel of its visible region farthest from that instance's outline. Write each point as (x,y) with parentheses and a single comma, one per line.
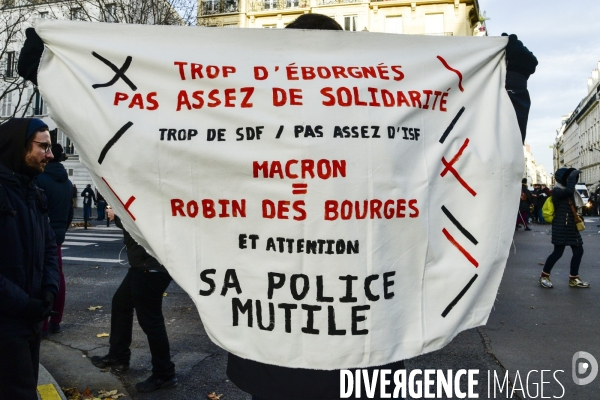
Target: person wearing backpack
(564,229)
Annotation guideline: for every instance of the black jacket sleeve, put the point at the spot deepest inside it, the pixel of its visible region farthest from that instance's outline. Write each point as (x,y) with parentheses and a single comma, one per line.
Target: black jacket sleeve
(31,54)
(516,87)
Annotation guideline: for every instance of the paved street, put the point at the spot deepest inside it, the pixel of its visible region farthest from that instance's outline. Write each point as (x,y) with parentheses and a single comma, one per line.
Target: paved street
(530,328)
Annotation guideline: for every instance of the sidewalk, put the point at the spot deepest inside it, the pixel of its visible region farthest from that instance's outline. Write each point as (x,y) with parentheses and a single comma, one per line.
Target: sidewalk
(47,388)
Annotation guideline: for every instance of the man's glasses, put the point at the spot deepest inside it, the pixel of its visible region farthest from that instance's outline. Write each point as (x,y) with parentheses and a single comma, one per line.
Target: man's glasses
(44,145)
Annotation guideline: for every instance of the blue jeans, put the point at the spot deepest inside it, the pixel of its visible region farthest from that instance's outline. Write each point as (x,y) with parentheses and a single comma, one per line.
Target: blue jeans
(101,207)
(87,211)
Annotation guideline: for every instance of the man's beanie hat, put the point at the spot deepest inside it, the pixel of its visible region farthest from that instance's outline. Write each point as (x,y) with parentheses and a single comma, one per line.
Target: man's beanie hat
(34,126)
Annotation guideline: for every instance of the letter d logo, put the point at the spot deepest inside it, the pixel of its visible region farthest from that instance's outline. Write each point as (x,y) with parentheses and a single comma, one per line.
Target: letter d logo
(582,368)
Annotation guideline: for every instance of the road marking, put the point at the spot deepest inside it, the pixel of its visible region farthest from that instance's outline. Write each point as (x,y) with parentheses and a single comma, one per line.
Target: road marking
(104,260)
(101,239)
(48,392)
(78,243)
(95,234)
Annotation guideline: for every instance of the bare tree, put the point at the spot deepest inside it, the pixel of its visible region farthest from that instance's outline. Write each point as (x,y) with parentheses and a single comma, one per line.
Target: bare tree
(149,12)
(15,98)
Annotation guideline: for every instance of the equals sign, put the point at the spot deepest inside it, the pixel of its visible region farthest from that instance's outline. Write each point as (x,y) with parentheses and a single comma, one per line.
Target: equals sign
(299,188)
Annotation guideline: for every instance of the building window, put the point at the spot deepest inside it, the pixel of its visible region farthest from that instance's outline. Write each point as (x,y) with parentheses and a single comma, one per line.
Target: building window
(350,22)
(6,110)
(111,13)
(270,4)
(39,106)
(393,24)
(44,14)
(10,65)
(76,14)
(271,26)
(434,24)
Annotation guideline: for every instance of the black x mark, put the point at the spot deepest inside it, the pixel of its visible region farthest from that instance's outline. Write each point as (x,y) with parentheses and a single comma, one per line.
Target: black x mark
(120,73)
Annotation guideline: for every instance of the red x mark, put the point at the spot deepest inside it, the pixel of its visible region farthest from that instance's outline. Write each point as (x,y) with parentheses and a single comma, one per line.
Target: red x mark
(125,205)
(449,167)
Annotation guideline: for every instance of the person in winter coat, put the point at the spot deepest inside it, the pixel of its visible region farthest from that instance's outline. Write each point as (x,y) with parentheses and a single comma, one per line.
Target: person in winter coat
(524,206)
(58,190)
(74,196)
(28,265)
(88,196)
(141,290)
(564,230)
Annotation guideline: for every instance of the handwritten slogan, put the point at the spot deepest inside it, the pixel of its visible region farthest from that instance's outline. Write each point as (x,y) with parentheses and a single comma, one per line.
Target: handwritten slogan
(327,199)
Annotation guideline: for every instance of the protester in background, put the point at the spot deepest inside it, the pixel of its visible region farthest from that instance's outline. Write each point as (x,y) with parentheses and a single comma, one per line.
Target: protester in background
(88,196)
(141,290)
(101,205)
(564,230)
(540,198)
(525,203)
(58,190)
(74,196)
(28,265)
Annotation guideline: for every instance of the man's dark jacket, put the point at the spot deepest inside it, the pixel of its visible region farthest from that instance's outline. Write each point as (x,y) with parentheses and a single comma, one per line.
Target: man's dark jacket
(88,195)
(28,260)
(58,190)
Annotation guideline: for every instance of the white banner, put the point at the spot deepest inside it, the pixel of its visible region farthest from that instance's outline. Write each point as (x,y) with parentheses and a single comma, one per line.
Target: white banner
(327,199)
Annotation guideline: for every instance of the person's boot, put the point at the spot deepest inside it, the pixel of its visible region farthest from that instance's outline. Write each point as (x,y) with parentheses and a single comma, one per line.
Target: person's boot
(109,361)
(154,383)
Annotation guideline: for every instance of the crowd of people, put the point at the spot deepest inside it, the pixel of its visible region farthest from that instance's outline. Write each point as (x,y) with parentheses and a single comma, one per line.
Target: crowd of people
(31,277)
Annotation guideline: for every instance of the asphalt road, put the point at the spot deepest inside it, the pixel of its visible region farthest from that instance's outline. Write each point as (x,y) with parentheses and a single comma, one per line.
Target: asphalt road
(530,328)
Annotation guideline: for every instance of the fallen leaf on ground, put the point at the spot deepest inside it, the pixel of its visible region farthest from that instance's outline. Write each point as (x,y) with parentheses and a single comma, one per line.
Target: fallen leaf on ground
(109,395)
(540,263)
(87,395)
(94,308)
(101,335)
(165,294)
(72,393)
(214,396)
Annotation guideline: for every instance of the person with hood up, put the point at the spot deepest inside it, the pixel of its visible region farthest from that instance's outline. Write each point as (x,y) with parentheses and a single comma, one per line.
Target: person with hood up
(58,190)
(88,195)
(564,229)
(28,263)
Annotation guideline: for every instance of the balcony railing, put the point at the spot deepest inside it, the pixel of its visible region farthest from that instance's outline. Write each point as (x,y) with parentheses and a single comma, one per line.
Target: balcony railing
(331,2)
(266,5)
(212,7)
(440,34)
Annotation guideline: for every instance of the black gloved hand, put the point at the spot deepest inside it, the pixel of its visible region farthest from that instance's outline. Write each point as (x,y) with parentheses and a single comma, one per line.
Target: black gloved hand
(31,54)
(518,57)
(48,297)
(35,310)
